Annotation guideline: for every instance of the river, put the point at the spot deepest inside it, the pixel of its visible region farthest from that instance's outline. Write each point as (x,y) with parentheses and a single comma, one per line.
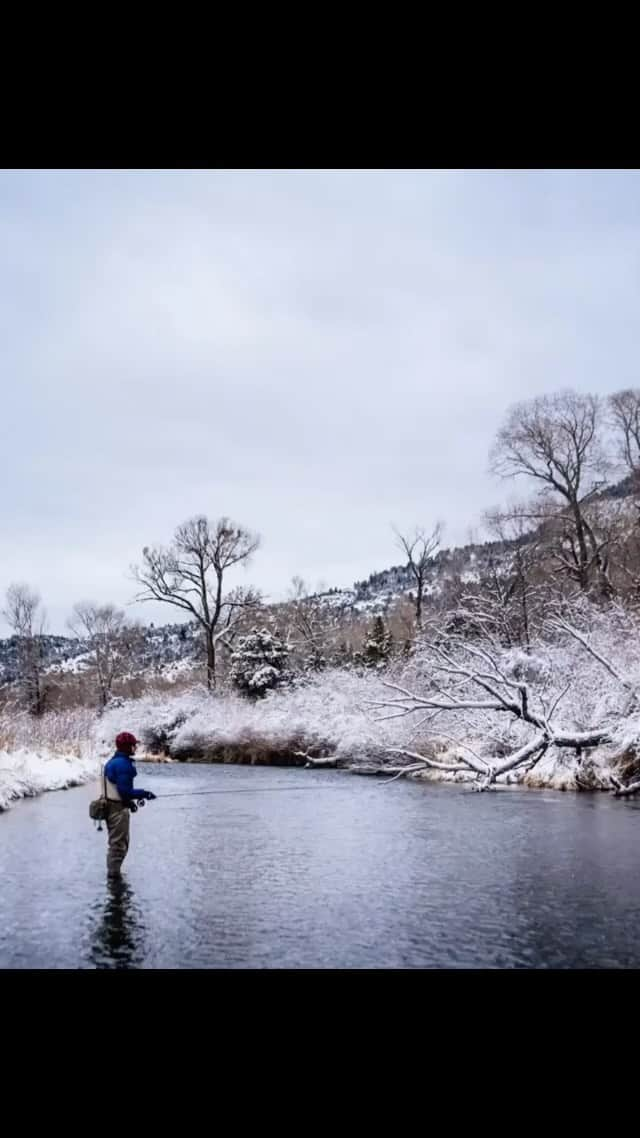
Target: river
(328,870)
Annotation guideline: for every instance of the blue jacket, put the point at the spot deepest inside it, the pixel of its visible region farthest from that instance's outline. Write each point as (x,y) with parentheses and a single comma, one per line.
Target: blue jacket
(121,770)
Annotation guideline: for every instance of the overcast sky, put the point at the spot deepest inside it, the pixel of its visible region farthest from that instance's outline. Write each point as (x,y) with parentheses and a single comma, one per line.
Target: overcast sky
(316,355)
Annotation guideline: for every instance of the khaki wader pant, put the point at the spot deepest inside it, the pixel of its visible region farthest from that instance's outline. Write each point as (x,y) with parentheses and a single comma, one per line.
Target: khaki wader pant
(118,823)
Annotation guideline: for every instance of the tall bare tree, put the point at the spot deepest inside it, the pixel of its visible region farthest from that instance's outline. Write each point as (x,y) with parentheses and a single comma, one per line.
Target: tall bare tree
(624,419)
(420,548)
(27,621)
(624,410)
(109,640)
(555,441)
(189,574)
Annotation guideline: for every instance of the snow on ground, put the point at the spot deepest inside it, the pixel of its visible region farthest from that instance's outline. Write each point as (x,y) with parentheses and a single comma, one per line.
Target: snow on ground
(49,752)
(25,773)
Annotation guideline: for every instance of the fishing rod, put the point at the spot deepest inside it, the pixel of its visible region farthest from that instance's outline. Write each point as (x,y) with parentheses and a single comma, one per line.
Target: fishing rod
(242,790)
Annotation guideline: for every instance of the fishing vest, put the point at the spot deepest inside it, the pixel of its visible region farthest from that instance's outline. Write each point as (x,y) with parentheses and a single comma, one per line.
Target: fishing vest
(109,789)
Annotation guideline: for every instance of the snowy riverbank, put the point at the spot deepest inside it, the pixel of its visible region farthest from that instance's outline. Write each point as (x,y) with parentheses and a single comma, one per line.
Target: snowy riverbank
(25,773)
(379,722)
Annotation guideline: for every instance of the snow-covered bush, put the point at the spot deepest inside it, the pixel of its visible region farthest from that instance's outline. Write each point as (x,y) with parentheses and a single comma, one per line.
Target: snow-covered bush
(328,715)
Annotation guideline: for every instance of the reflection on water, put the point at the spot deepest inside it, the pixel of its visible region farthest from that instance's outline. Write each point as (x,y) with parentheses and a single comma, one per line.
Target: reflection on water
(118,941)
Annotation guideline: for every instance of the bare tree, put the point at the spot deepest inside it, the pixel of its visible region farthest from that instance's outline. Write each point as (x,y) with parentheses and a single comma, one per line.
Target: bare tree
(512,581)
(109,641)
(420,549)
(624,409)
(310,625)
(554,440)
(189,575)
(27,621)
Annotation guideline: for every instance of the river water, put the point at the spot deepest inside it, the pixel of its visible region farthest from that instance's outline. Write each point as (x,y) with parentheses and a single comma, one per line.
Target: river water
(328,870)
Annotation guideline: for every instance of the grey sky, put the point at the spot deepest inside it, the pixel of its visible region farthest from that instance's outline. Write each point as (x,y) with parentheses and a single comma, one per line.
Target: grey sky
(315,355)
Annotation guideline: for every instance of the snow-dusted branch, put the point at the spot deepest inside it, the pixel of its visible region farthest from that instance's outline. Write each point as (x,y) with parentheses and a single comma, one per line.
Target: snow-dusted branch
(622,791)
(450,672)
(560,624)
(462,766)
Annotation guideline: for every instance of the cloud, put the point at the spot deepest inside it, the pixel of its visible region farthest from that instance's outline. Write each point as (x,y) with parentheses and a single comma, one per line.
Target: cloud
(313,354)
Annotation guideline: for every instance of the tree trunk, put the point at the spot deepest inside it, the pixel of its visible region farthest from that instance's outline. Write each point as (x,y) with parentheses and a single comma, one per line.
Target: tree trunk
(523,597)
(211,660)
(420,586)
(582,545)
(34,686)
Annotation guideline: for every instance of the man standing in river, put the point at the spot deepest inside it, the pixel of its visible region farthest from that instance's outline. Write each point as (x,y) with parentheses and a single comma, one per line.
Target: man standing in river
(121,796)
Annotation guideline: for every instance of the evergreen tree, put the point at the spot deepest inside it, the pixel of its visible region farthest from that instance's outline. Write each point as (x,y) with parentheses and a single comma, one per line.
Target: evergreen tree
(378,645)
(259,663)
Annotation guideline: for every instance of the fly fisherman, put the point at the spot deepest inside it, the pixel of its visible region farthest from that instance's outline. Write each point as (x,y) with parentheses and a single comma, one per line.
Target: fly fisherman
(121,796)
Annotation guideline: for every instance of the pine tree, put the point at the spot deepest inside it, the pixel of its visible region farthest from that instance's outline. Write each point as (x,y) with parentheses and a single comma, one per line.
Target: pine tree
(258,663)
(378,645)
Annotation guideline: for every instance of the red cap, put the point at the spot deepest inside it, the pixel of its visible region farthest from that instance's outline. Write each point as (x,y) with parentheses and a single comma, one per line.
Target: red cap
(125,741)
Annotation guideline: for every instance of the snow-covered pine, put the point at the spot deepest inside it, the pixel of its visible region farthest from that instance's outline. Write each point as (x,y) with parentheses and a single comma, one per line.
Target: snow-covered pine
(259,663)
